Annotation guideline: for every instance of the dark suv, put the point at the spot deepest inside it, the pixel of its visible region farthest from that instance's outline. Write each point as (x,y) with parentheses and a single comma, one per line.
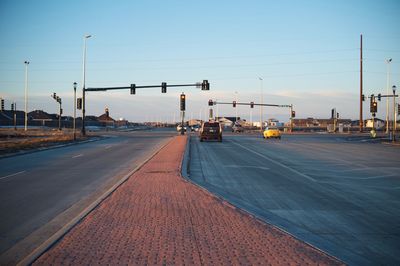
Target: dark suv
(211,131)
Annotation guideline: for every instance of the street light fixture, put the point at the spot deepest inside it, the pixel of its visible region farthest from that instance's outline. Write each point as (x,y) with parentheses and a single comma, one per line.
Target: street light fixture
(83,83)
(26,95)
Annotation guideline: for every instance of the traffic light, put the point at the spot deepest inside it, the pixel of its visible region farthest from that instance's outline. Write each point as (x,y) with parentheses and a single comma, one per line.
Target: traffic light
(374,107)
(363,97)
(12,107)
(234,104)
(54,95)
(379,97)
(79,103)
(2,104)
(333,113)
(293,114)
(205,86)
(183,102)
(210,103)
(164,87)
(337,115)
(133,88)
(252,105)
(398,109)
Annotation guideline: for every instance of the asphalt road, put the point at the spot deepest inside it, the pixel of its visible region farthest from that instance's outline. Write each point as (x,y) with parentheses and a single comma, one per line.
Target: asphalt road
(340,195)
(43,186)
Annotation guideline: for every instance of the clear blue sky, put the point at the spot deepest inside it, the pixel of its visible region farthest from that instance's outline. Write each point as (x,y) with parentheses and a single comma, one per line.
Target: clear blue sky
(307,53)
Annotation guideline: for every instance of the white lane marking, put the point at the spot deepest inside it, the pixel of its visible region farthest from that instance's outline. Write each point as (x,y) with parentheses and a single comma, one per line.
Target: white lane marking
(247,166)
(107,147)
(76,156)
(369,177)
(276,162)
(7,176)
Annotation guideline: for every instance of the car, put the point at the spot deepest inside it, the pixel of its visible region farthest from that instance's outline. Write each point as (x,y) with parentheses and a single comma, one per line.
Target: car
(237,128)
(195,128)
(210,131)
(179,128)
(271,132)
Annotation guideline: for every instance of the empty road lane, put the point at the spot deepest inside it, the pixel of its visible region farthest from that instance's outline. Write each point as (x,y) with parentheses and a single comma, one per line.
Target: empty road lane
(341,195)
(43,186)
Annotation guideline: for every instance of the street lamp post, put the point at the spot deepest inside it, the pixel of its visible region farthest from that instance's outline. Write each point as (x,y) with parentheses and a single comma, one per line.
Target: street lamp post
(83,83)
(388,61)
(394,113)
(217,115)
(261,107)
(236,113)
(74,124)
(26,95)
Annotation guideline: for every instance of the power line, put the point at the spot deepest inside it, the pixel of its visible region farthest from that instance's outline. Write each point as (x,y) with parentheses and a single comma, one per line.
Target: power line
(194,58)
(191,67)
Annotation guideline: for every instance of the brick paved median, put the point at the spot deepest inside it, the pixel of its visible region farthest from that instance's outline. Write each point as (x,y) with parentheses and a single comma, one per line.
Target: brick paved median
(157,217)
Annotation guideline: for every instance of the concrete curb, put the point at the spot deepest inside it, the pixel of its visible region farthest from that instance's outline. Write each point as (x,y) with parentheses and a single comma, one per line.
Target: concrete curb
(28,260)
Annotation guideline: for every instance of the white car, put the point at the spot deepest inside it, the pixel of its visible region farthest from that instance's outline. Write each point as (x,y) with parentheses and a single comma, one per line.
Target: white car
(179,128)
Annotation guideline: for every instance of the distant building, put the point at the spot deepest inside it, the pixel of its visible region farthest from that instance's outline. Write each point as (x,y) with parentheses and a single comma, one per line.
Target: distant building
(42,117)
(194,122)
(106,120)
(378,123)
(227,121)
(274,123)
(318,123)
(121,123)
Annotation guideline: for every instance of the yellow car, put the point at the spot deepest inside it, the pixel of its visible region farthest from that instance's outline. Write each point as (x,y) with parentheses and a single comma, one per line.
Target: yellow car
(271,132)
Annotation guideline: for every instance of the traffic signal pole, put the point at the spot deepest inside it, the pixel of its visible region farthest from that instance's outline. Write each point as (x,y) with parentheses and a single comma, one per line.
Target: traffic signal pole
(374,107)
(291,118)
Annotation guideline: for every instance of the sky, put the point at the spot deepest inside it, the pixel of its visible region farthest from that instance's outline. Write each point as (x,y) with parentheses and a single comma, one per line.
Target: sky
(306,52)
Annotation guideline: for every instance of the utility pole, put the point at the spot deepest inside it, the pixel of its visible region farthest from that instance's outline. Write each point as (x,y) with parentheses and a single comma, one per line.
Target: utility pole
(394,113)
(74,125)
(361,85)
(15,115)
(83,84)
(261,106)
(388,61)
(26,95)
(291,118)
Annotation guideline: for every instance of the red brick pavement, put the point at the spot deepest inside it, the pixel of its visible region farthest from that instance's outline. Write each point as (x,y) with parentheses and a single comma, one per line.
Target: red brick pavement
(157,217)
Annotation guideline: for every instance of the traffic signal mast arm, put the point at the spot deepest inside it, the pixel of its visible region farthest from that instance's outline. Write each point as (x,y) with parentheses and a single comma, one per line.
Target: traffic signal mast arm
(379,96)
(383,96)
(257,104)
(205,85)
